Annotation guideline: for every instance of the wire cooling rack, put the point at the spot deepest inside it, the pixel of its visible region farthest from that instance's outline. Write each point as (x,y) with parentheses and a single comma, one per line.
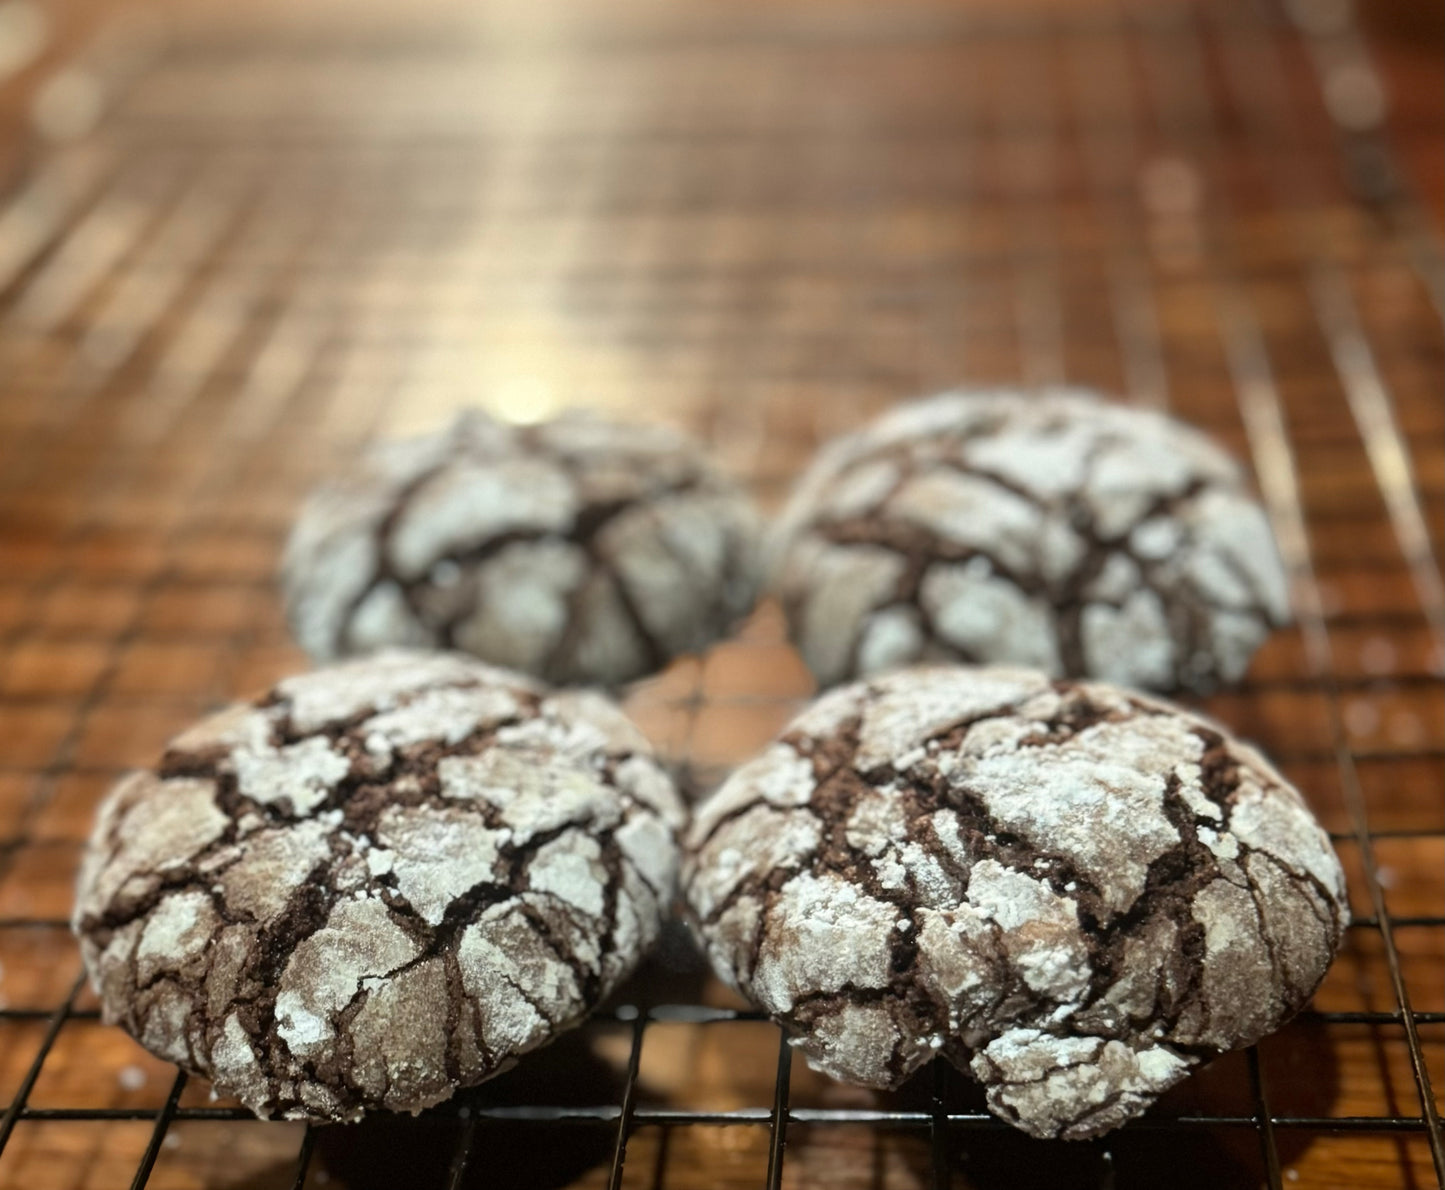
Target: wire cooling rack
(241,246)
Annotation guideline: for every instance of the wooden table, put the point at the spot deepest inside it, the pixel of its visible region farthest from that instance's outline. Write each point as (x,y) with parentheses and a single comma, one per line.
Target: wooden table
(236,246)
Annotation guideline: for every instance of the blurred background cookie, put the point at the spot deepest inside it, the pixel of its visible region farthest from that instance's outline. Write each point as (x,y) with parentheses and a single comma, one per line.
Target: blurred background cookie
(1044,528)
(580,550)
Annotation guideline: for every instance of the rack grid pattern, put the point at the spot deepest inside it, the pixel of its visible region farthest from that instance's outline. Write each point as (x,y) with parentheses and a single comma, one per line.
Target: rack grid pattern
(265,242)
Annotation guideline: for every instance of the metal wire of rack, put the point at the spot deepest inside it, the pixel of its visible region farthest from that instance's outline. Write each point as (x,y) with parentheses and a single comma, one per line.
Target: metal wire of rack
(279,240)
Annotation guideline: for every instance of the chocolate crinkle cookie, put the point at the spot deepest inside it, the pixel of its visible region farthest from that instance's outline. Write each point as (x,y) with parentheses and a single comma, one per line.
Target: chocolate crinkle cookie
(1072,892)
(1046,528)
(580,550)
(379,883)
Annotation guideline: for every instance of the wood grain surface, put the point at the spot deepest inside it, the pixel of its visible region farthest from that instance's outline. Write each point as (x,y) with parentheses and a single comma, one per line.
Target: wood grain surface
(236,245)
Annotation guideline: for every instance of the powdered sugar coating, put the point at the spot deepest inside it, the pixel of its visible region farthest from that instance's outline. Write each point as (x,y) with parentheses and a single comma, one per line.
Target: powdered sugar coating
(1047,528)
(1073,892)
(580,550)
(382,881)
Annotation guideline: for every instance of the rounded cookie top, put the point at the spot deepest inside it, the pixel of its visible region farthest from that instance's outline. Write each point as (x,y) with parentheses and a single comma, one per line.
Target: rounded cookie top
(579,550)
(1073,892)
(378,883)
(1044,528)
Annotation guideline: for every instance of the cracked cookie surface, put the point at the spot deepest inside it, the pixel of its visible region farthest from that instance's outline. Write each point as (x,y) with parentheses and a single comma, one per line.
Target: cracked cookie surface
(579,550)
(1073,892)
(379,883)
(1048,528)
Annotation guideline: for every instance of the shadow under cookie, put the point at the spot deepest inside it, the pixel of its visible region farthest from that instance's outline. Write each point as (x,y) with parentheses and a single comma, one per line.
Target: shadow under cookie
(387,1151)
